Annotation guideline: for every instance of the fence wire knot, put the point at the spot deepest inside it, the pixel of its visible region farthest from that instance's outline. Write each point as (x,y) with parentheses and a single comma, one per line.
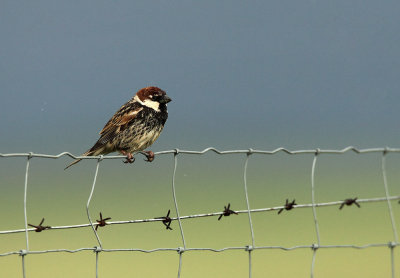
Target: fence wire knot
(392,244)
(97,249)
(249,248)
(23,252)
(314,246)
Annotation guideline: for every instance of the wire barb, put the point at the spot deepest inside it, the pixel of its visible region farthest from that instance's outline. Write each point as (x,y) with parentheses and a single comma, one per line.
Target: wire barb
(212,214)
(39,227)
(227,211)
(349,202)
(288,206)
(166,220)
(102,222)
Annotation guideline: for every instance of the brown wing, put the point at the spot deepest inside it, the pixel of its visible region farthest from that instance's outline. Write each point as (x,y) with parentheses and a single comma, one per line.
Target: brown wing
(119,121)
(116,124)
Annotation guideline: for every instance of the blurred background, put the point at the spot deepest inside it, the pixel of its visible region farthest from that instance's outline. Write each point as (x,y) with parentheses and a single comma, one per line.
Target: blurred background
(261,74)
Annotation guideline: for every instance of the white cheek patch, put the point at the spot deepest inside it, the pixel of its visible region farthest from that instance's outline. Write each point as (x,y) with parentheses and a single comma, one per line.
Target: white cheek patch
(152,104)
(149,103)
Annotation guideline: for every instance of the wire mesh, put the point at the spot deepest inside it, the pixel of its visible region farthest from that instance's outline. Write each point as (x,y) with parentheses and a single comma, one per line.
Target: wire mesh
(251,247)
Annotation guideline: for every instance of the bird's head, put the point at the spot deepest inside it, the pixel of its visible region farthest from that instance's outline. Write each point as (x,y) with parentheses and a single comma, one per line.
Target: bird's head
(152,97)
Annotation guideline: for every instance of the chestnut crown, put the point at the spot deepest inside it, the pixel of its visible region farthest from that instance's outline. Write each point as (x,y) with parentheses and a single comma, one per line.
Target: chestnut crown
(153,94)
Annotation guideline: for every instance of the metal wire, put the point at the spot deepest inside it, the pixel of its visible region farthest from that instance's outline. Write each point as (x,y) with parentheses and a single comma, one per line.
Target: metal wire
(390,245)
(342,151)
(26,215)
(249,248)
(211,214)
(97,263)
(180,250)
(315,246)
(175,202)
(25,197)
(88,202)
(23,266)
(395,236)
(385,184)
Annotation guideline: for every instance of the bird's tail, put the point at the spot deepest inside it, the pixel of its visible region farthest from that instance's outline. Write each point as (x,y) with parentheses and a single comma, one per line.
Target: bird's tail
(73,163)
(88,153)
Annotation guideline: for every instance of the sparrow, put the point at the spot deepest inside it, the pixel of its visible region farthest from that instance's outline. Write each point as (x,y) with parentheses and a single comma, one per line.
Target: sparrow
(134,127)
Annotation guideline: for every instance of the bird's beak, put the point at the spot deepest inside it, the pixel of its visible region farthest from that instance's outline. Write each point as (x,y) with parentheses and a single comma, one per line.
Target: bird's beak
(165,99)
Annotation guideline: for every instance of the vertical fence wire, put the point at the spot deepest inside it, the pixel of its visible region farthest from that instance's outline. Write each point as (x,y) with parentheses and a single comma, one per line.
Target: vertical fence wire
(25,197)
(180,263)
(90,198)
(23,266)
(97,264)
(249,248)
(392,260)
(247,198)
(389,204)
(385,184)
(315,247)
(175,202)
(250,264)
(177,213)
(23,254)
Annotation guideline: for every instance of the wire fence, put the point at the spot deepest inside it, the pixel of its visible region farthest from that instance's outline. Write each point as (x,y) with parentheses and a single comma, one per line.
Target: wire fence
(181,250)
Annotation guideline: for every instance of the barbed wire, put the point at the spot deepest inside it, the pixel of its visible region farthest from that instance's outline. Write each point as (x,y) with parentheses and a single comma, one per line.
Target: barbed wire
(227,211)
(201,215)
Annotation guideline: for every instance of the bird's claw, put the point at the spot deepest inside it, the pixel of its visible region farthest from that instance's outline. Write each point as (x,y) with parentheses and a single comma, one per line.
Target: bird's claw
(129,158)
(149,156)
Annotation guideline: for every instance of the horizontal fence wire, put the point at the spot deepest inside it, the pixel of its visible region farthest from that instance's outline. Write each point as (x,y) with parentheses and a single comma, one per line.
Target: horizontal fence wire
(245,151)
(211,214)
(249,211)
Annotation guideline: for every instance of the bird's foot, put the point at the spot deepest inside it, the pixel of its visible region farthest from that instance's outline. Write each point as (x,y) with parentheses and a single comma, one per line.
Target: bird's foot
(129,157)
(149,155)
(129,160)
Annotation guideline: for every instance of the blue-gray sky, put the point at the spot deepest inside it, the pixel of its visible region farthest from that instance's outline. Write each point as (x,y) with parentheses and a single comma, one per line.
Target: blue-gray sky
(260,74)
